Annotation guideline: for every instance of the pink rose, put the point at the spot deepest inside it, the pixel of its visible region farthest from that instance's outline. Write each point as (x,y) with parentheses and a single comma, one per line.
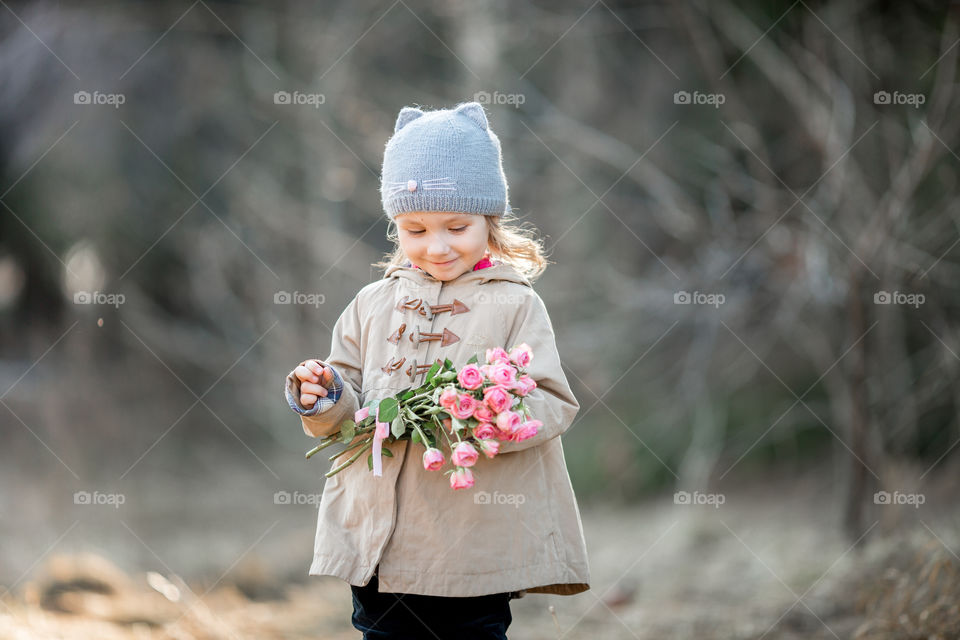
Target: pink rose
(461,479)
(524,385)
(497,398)
(526,430)
(521,355)
(490,448)
(448,398)
(503,374)
(483,413)
(484,430)
(503,436)
(464,455)
(508,421)
(470,377)
(433,459)
(464,406)
(361,414)
(486,370)
(497,355)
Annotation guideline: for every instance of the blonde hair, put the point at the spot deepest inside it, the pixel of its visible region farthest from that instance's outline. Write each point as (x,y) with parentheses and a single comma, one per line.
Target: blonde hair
(508,242)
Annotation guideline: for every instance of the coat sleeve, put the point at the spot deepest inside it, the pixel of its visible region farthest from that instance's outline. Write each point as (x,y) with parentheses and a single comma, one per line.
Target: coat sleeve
(552,402)
(346,360)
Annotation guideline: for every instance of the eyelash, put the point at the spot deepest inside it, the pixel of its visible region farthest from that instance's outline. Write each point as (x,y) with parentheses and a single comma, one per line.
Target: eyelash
(457,230)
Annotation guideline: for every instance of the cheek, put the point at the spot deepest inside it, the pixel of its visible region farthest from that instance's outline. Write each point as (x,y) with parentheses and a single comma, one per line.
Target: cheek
(408,243)
(480,235)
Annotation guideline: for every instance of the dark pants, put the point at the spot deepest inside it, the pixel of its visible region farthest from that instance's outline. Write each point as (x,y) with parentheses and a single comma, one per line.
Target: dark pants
(410,616)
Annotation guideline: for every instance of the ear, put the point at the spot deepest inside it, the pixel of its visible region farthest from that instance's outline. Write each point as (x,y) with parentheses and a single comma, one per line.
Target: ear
(475,112)
(407,114)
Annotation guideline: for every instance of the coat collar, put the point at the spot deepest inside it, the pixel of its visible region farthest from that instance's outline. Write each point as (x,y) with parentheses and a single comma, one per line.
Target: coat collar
(500,271)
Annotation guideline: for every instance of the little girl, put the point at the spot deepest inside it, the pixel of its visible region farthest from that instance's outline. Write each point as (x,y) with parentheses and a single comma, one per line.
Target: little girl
(424,560)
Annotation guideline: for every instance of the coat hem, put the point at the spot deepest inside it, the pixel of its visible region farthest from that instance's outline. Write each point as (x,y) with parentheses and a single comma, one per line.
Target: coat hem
(546,578)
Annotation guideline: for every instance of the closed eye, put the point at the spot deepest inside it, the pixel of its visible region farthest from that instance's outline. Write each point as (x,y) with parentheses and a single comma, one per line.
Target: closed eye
(457,230)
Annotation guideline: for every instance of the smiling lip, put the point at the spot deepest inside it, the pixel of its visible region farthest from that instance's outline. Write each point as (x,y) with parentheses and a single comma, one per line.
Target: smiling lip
(443,264)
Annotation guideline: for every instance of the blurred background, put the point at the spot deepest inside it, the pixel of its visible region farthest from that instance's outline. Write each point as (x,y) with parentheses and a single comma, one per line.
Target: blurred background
(752,213)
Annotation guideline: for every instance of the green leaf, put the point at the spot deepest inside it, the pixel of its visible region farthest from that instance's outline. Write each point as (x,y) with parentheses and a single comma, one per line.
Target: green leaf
(347,431)
(407,395)
(415,437)
(447,363)
(388,409)
(397,428)
(433,371)
(474,360)
(447,376)
(387,452)
(457,423)
(370,461)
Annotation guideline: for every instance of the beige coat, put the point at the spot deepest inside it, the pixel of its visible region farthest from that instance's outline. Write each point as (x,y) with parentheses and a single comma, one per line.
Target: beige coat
(518,528)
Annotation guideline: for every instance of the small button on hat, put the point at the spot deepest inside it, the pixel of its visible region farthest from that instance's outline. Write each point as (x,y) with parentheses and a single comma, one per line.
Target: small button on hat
(443,160)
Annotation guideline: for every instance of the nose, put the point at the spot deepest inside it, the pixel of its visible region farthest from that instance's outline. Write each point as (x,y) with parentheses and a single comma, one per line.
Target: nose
(438,248)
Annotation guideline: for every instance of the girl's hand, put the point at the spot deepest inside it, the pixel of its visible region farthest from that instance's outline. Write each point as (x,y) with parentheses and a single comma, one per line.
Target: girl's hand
(314,380)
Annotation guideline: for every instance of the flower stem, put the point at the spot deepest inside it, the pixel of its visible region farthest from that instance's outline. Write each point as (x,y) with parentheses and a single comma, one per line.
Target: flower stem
(449,442)
(323,445)
(425,394)
(351,446)
(351,460)
(423,437)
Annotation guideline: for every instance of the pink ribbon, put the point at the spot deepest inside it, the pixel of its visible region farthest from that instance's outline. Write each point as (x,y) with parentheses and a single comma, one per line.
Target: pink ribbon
(382,431)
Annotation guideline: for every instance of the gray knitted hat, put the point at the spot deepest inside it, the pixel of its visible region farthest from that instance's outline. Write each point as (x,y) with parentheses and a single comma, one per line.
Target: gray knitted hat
(443,160)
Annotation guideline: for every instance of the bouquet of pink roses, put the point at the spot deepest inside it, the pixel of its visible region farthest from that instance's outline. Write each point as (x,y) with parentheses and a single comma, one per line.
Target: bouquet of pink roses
(471,411)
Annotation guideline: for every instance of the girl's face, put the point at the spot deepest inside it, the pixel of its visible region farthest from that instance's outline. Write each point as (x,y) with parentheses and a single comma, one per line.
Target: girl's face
(445,245)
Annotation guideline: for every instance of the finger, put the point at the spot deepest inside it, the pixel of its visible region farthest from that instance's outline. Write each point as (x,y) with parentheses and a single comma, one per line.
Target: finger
(327,377)
(308,400)
(315,366)
(305,375)
(315,389)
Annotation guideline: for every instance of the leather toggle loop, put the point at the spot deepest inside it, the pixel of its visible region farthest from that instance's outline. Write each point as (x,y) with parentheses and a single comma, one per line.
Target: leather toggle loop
(396,335)
(408,303)
(392,365)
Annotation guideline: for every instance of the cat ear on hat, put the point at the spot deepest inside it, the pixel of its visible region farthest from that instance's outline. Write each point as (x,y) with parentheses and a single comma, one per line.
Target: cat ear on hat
(407,115)
(475,112)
